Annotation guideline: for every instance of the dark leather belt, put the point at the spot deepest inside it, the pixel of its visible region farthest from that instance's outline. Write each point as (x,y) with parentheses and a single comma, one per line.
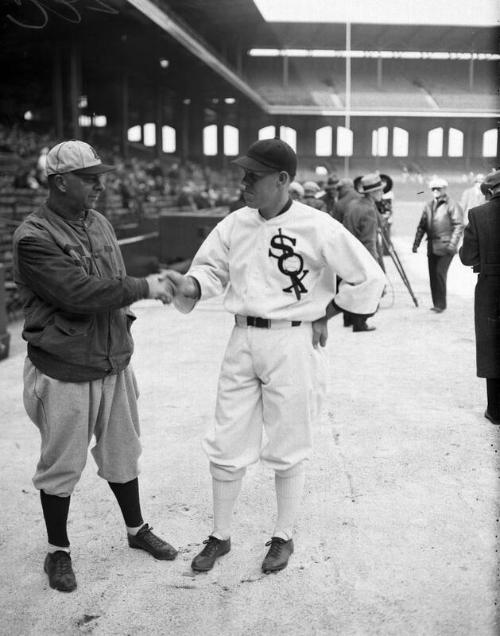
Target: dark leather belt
(264,323)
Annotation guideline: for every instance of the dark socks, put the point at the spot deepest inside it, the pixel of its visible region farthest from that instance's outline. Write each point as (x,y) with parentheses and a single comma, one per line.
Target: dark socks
(55,512)
(127,496)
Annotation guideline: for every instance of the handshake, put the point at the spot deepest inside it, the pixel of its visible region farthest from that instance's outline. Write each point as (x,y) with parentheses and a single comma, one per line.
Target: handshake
(169,283)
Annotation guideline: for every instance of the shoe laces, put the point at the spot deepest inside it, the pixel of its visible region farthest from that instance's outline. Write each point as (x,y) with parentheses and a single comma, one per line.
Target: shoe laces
(275,549)
(62,564)
(211,545)
(152,539)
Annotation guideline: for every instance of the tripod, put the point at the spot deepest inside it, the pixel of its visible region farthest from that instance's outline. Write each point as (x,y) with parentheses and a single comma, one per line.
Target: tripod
(391,250)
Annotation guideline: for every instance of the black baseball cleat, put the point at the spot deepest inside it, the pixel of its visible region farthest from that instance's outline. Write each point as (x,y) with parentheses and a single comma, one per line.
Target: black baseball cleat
(214,548)
(278,554)
(363,327)
(58,567)
(146,540)
(490,417)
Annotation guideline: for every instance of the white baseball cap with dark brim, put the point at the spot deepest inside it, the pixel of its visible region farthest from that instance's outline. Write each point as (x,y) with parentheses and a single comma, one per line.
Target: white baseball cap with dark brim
(77,157)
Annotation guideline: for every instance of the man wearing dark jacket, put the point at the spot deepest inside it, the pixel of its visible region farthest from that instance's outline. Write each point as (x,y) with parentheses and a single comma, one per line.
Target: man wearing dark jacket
(442,221)
(77,379)
(361,219)
(346,194)
(481,249)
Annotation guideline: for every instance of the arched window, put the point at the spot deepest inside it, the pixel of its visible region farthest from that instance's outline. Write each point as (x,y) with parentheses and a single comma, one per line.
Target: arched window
(231,141)
(169,142)
(344,142)
(324,145)
(400,142)
(149,132)
(268,132)
(435,142)
(380,142)
(210,140)
(134,133)
(490,141)
(455,143)
(289,135)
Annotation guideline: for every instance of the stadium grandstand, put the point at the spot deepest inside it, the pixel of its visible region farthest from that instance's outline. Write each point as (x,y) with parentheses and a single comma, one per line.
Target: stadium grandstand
(172,90)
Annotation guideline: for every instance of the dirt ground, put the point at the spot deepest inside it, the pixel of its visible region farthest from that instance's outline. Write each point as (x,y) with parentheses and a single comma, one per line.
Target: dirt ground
(399,529)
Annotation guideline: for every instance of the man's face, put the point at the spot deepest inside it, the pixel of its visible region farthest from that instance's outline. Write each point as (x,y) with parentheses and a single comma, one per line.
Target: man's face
(438,192)
(260,189)
(82,191)
(377,195)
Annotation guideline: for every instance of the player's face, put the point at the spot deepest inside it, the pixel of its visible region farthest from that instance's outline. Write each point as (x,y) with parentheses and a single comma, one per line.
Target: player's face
(377,194)
(260,188)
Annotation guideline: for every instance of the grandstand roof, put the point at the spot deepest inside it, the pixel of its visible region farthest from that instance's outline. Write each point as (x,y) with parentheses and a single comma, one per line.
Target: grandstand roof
(206,43)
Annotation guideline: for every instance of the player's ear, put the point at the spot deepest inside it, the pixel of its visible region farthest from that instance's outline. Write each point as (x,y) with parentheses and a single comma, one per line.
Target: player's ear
(284,178)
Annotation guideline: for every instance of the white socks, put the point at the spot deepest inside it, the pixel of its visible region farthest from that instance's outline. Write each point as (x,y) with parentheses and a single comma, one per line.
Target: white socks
(134,531)
(289,492)
(54,548)
(225,494)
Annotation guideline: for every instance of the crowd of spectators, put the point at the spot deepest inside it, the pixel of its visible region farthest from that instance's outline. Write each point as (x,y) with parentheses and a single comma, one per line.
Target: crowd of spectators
(136,180)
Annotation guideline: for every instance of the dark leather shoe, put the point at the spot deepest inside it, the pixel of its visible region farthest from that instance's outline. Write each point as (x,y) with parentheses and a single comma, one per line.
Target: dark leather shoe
(146,540)
(491,418)
(278,554)
(214,548)
(363,327)
(58,567)
(438,310)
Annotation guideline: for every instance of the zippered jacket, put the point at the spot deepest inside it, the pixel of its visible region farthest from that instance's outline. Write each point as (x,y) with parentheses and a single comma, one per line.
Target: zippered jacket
(443,223)
(76,295)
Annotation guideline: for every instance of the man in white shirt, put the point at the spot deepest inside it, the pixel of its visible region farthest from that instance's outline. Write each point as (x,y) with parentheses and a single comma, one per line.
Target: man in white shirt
(278,261)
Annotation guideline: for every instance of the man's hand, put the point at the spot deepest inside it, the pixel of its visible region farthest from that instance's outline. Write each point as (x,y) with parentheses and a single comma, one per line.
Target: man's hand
(414,250)
(184,285)
(320,332)
(160,288)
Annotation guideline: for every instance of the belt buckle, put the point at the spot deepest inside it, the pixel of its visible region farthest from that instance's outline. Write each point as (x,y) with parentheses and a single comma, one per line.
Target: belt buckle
(261,323)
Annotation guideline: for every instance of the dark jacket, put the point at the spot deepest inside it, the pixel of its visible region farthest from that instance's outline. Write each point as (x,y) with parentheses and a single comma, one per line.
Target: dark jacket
(442,221)
(75,292)
(481,249)
(346,195)
(361,219)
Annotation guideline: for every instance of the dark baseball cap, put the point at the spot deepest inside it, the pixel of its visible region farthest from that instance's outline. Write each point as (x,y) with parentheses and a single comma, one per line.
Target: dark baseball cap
(269,155)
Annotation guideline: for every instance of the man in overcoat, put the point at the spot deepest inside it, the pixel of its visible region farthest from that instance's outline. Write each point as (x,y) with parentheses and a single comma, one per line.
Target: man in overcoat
(442,221)
(481,250)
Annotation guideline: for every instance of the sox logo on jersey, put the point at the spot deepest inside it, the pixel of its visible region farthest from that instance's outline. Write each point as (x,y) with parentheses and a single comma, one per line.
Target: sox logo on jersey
(289,262)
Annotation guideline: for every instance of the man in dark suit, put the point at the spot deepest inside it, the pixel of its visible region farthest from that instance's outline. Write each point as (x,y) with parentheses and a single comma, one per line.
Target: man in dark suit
(481,249)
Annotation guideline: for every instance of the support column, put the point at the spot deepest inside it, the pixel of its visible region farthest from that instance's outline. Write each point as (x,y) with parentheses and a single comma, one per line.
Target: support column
(159,98)
(221,120)
(124,124)
(57,94)
(75,82)
(196,125)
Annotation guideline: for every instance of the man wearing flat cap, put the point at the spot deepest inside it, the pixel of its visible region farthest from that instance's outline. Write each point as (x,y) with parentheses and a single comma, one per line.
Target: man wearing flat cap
(481,250)
(442,222)
(78,382)
(277,260)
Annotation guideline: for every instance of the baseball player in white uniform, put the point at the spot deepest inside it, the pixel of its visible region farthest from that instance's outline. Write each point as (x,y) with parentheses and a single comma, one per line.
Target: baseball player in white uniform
(278,261)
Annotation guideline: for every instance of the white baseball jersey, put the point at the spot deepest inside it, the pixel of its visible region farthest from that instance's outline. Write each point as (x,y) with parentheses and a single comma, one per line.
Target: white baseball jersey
(286,267)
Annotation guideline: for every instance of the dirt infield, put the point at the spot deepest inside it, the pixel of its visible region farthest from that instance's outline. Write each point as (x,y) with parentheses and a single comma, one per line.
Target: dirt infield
(399,528)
